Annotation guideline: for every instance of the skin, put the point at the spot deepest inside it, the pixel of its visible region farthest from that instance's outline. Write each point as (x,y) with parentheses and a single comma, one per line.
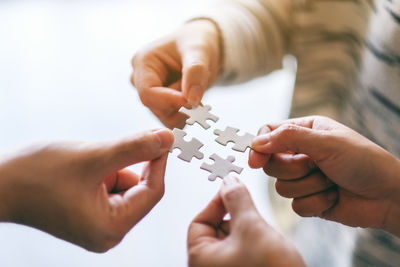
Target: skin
(176,70)
(81,192)
(331,172)
(244,240)
(335,173)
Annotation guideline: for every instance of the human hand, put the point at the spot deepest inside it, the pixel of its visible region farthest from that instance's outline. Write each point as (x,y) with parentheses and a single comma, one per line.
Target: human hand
(80,192)
(245,240)
(175,71)
(331,172)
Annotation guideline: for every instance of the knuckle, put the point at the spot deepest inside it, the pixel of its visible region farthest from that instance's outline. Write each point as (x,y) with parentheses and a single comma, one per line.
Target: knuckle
(286,130)
(145,98)
(320,118)
(299,208)
(281,189)
(268,171)
(264,129)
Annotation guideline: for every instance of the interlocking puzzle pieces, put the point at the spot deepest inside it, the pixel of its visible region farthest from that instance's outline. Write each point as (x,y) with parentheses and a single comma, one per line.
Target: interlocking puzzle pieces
(221,167)
(230,135)
(199,114)
(188,149)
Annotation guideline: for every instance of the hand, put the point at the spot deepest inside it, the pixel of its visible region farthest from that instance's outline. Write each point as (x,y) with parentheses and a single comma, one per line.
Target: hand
(80,192)
(176,71)
(331,172)
(245,240)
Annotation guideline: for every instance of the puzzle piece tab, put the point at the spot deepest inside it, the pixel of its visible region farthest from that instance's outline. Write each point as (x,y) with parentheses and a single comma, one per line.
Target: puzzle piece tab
(188,149)
(221,167)
(230,135)
(199,114)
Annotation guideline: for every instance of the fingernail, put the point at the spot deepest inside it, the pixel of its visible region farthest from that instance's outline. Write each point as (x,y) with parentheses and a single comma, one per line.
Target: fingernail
(229,180)
(166,137)
(195,94)
(261,140)
(332,196)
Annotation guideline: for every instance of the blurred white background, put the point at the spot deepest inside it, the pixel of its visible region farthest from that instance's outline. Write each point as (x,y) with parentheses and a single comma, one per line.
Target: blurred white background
(64,74)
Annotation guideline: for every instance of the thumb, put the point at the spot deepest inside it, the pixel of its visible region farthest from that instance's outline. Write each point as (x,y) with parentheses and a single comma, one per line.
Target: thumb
(237,201)
(144,146)
(195,73)
(289,137)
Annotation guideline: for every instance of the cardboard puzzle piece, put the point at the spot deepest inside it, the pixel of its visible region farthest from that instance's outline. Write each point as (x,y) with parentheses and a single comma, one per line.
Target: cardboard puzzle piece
(188,149)
(199,114)
(230,135)
(221,167)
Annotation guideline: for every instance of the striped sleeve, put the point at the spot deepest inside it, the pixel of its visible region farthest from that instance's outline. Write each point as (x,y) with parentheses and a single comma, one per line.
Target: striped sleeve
(254,36)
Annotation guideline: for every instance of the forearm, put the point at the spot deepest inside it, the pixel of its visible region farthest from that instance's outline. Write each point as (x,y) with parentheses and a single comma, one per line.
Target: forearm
(254,38)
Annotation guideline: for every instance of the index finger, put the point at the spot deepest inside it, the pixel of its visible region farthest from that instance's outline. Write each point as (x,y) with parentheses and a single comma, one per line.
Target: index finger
(306,122)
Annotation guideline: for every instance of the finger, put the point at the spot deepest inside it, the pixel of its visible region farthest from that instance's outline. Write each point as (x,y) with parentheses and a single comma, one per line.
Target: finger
(140,199)
(168,100)
(238,202)
(298,139)
(146,76)
(206,223)
(177,120)
(312,184)
(195,72)
(287,166)
(258,160)
(141,147)
(176,85)
(315,205)
(121,181)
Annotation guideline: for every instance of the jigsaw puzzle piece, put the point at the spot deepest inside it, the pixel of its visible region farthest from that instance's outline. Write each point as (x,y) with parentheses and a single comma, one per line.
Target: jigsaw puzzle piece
(221,167)
(230,135)
(189,149)
(199,114)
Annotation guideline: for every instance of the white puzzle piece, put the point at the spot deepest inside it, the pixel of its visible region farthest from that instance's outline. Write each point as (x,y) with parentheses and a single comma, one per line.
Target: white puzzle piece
(230,135)
(188,149)
(199,114)
(221,167)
